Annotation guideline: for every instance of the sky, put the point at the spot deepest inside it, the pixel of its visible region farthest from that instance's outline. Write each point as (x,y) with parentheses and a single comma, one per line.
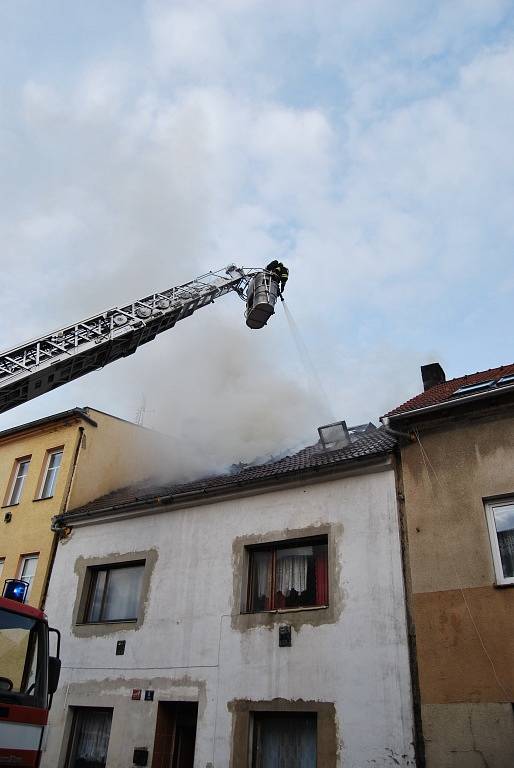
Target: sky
(365,143)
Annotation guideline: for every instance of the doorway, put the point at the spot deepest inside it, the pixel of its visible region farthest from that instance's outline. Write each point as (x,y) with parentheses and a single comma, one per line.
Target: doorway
(175,734)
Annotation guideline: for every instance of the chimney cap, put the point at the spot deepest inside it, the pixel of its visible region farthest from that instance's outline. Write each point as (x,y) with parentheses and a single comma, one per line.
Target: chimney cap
(432,375)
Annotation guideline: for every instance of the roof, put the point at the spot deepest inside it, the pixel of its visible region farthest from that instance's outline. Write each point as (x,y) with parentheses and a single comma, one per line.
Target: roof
(441,394)
(313,458)
(73,413)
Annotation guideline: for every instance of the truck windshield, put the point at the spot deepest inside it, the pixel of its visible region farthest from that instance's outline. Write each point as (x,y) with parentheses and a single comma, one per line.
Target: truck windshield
(20,640)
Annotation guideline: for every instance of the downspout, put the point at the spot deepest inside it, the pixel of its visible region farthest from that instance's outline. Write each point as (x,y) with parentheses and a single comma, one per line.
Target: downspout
(64,505)
(418,740)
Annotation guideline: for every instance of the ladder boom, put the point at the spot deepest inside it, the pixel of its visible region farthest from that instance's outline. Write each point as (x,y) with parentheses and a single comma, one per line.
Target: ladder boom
(48,362)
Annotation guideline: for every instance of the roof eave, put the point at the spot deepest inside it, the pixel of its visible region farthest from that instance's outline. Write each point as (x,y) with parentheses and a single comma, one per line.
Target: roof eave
(133,508)
(72,413)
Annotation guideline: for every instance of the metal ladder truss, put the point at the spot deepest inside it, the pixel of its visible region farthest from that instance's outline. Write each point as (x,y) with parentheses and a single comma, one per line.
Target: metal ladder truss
(43,364)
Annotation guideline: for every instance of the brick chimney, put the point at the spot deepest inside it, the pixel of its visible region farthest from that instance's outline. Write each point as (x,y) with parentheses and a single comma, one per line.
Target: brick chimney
(432,374)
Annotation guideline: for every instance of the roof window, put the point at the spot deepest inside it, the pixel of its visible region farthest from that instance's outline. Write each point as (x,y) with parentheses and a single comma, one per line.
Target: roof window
(506,380)
(470,389)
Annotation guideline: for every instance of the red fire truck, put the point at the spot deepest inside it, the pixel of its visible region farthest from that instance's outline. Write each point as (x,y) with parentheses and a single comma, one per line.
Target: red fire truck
(28,678)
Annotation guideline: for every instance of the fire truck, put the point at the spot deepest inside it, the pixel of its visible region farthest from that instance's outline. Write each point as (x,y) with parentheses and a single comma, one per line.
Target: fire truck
(28,673)
(28,677)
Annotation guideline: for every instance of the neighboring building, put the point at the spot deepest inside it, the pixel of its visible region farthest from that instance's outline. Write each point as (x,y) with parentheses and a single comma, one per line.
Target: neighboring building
(48,465)
(458,484)
(251,619)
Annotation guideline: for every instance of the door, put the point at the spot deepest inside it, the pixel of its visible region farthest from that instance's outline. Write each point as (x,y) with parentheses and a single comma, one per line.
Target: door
(175,734)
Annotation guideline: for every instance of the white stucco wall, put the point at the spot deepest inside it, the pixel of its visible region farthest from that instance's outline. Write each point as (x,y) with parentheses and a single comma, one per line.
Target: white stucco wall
(187,650)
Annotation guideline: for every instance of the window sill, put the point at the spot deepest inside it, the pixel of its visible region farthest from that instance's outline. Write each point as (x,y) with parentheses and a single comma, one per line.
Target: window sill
(10,506)
(43,498)
(503,585)
(301,609)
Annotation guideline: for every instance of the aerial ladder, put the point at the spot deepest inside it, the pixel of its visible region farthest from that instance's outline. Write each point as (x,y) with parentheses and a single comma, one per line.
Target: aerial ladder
(50,361)
(29,674)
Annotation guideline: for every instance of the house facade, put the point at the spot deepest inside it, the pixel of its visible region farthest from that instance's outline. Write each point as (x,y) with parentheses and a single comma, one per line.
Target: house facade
(53,463)
(457,479)
(240,621)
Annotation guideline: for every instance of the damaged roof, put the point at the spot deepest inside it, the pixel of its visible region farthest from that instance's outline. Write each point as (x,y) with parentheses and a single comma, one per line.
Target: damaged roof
(443,393)
(373,444)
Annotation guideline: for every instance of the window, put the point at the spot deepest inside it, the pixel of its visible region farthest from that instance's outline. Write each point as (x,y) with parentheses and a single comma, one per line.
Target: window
(287,739)
(89,738)
(21,468)
(288,575)
(2,561)
(114,593)
(500,519)
(28,567)
(52,468)
(470,389)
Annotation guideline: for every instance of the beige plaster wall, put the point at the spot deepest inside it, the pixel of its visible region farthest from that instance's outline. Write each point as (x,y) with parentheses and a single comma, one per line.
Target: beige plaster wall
(469,735)
(458,609)
(447,529)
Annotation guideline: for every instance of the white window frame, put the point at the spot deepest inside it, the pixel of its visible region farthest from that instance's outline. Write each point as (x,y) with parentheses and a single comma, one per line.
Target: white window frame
(2,563)
(15,476)
(490,506)
(48,459)
(23,560)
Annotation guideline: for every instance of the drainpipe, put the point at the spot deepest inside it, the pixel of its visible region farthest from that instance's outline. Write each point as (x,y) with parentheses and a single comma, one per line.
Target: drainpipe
(64,505)
(419,739)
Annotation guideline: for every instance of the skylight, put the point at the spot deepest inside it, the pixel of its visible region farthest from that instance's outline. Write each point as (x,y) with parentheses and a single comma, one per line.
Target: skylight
(506,380)
(470,389)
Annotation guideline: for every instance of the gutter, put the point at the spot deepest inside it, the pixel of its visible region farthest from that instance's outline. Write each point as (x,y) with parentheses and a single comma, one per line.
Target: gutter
(394,432)
(449,403)
(230,490)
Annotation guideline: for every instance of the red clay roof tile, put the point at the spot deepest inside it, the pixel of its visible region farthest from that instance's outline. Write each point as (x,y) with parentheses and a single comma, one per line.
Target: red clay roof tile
(441,393)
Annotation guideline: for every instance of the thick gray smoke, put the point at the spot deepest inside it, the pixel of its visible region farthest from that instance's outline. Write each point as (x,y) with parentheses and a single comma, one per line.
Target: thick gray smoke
(222,394)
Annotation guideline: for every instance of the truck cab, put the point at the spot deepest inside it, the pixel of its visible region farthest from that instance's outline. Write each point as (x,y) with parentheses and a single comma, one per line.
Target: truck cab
(28,678)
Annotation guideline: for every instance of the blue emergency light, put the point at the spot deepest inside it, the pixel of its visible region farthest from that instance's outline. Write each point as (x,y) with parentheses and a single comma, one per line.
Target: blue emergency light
(15,589)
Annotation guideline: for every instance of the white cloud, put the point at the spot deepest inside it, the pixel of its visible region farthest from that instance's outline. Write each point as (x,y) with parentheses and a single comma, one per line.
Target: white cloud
(386,193)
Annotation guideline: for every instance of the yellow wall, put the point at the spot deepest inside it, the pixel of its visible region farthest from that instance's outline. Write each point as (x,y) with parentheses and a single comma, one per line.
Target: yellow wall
(115,454)
(111,454)
(29,530)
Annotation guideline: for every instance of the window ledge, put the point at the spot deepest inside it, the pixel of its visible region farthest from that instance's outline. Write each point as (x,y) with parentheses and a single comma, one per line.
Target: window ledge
(503,585)
(290,610)
(43,498)
(10,506)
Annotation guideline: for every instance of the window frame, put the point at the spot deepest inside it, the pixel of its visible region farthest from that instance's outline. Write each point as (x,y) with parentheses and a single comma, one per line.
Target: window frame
(490,506)
(274,547)
(8,502)
(23,560)
(91,581)
(46,470)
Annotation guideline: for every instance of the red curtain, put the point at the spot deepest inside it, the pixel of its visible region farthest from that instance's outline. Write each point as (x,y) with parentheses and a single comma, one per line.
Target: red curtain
(321,573)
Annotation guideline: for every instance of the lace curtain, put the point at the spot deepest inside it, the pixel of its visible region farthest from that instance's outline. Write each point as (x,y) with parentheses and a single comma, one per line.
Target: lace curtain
(93,730)
(291,570)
